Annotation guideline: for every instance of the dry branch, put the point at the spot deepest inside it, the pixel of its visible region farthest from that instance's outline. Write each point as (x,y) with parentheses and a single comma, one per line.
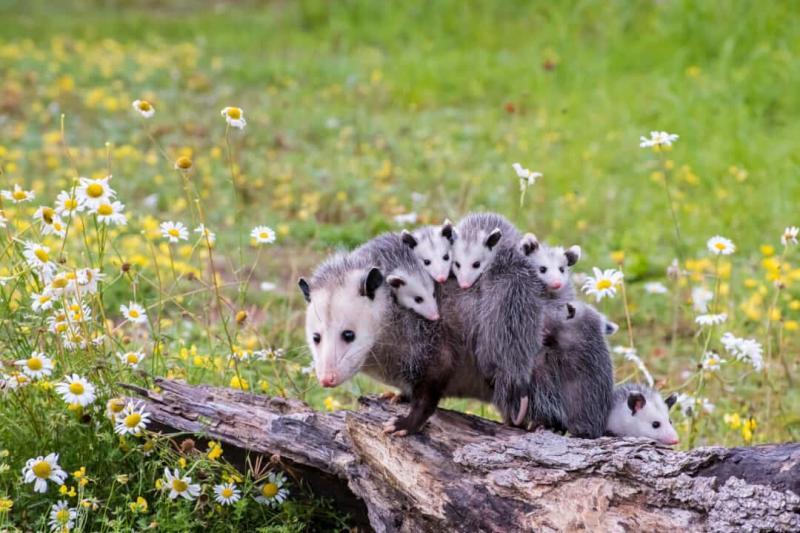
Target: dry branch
(464,473)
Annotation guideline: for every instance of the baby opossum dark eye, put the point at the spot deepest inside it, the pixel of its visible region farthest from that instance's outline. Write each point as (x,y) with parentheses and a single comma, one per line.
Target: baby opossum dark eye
(542,269)
(348,335)
(656,424)
(561,269)
(476,264)
(458,265)
(426,262)
(446,257)
(419,299)
(317,337)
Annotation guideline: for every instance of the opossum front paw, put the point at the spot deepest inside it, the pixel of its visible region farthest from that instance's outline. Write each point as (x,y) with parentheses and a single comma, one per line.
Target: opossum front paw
(400,426)
(394,397)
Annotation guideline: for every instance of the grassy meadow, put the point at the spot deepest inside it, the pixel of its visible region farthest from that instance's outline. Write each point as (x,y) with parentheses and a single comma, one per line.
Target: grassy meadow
(357,113)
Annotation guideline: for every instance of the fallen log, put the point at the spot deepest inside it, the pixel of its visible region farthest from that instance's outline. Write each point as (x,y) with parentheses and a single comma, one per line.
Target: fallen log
(465,473)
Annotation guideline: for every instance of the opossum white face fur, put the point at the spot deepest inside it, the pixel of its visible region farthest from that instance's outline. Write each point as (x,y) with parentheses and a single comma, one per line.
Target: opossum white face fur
(432,245)
(415,292)
(471,256)
(641,412)
(553,264)
(343,320)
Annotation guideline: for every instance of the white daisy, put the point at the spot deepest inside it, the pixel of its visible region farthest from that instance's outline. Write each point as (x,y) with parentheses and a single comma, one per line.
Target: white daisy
(205,232)
(790,235)
(38,258)
(747,350)
(227,493)
(87,279)
(134,313)
(62,517)
(38,365)
(57,228)
(234,116)
(180,486)
(3,219)
(93,193)
(657,139)
(700,299)
(526,176)
(174,231)
(18,195)
(267,286)
(41,470)
(712,361)
(67,205)
(132,420)
(630,355)
(114,407)
(711,319)
(45,216)
(15,381)
(131,359)
(144,108)
(603,284)
(655,287)
(76,389)
(272,491)
(110,213)
(405,219)
(263,235)
(720,245)
(41,301)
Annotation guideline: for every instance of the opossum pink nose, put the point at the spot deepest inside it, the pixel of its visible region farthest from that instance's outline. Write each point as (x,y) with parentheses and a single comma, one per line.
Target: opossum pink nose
(328,380)
(465,285)
(434,316)
(673,442)
(441,279)
(555,285)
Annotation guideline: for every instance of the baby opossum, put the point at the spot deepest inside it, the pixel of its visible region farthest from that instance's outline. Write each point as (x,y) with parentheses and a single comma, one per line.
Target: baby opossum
(572,379)
(409,282)
(478,238)
(432,245)
(353,325)
(553,266)
(639,411)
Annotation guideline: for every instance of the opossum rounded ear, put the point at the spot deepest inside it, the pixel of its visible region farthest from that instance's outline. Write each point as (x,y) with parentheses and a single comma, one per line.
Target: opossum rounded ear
(570,311)
(611,328)
(671,399)
(528,244)
(636,402)
(373,280)
(408,238)
(447,230)
(493,238)
(395,281)
(573,254)
(305,289)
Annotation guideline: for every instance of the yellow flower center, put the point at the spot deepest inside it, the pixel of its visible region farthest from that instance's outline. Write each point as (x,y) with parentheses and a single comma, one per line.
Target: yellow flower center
(70,204)
(269,490)
(116,405)
(63,516)
(179,485)
(227,492)
(48,214)
(71,275)
(144,105)
(42,469)
(61,327)
(59,283)
(19,195)
(95,190)
(263,235)
(76,388)
(174,232)
(132,420)
(184,163)
(604,284)
(133,313)
(41,255)
(132,358)
(234,113)
(720,246)
(43,299)
(105,209)
(34,363)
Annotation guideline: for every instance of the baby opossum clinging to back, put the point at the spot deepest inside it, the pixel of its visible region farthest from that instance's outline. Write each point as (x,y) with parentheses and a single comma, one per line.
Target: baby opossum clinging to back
(639,411)
(553,266)
(432,245)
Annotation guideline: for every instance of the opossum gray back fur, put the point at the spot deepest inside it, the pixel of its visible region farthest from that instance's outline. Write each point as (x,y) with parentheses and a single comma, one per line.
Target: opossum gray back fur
(388,252)
(470,227)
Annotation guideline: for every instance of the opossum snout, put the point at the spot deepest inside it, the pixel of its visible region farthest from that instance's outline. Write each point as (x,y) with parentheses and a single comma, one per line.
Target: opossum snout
(672,442)
(555,285)
(328,380)
(434,317)
(464,285)
(441,279)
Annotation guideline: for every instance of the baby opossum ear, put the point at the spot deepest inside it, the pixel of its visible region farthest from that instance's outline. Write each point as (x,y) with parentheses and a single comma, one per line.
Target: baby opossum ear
(447,230)
(395,281)
(528,244)
(636,402)
(610,328)
(493,238)
(305,289)
(570,311)
(373,280)
(408,238)
(573,254)
(671,399)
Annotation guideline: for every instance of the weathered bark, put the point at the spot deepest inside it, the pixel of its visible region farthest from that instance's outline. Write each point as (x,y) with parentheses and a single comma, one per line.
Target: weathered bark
(465,473)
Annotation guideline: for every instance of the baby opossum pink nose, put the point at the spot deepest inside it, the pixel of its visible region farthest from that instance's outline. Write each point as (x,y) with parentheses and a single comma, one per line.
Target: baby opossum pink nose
(441,279)
(434,316)
(465,285)
(672,442)
(555,285)
(328,380)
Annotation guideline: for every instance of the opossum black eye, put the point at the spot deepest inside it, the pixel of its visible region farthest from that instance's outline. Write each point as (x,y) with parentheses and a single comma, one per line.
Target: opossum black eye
(317,337)
(656,424)
(476,264)
(458,265)
(426,262)
(348,335)
(543,269)
(561,269)
(419,299)
(446,257)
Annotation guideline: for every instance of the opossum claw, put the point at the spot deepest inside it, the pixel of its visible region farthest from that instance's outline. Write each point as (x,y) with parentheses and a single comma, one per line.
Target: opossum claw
(390,426)
(523,410)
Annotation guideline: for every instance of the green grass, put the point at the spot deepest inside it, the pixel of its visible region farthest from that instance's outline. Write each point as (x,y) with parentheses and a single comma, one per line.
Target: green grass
(352,107)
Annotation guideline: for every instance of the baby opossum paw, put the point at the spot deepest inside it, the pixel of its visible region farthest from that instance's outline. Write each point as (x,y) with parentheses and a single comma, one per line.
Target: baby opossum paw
(399,426)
